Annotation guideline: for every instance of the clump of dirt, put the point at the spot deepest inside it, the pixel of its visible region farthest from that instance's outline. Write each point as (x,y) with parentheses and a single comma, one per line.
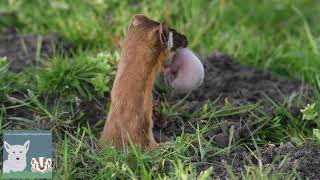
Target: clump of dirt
(226,80)
(240,84)
(304,159)
(94,111)
(236,160)
(25,50)
(285,158)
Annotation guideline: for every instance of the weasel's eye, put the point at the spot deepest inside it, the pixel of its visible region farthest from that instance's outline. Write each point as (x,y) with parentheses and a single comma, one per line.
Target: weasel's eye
(20,151)
(13,152)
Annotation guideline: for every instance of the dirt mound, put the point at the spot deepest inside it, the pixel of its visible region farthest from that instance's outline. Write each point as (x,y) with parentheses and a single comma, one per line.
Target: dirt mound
(285,159)
(240,84)
(226,80)
(304,159)
(25,50)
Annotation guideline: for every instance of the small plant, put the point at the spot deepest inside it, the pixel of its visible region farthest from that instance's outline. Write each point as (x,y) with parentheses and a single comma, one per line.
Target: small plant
(81,74)
(107,61)
(310,114)
(316,133)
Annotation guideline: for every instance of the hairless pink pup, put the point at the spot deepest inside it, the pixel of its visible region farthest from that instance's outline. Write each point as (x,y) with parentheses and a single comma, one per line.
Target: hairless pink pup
(185,72)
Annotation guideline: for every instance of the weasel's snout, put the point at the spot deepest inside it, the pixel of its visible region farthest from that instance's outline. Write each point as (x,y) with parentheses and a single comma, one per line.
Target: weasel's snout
(179,40)
(17,158)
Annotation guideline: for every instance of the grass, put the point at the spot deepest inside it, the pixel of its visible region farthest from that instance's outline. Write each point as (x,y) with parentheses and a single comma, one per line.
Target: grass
(280,36)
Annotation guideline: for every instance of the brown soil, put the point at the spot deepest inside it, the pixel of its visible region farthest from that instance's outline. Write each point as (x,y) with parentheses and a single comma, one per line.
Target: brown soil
(22,50)
(226,80)
(284,159)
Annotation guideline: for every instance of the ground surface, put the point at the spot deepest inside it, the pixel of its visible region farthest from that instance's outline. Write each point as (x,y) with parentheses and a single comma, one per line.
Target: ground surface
(23,50)
(226,80)
(58,61)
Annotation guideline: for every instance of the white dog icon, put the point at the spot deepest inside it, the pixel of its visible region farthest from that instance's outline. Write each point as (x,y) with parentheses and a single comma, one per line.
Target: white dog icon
(17,157)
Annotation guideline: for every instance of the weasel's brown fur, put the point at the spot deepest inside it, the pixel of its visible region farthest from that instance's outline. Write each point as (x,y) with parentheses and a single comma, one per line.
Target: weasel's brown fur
(143,54)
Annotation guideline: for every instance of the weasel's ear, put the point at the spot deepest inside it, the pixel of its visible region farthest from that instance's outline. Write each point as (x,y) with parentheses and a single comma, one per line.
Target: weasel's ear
(165,35)
(138,19)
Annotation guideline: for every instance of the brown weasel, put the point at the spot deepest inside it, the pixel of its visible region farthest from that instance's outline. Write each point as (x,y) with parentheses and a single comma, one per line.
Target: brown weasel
(145,50)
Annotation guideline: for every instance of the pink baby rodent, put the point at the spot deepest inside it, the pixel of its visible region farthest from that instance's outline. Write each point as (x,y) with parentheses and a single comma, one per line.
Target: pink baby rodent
(185,71)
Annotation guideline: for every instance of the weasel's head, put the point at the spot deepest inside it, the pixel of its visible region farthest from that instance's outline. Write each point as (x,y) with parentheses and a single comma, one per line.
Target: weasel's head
(153,39)
(156,45)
